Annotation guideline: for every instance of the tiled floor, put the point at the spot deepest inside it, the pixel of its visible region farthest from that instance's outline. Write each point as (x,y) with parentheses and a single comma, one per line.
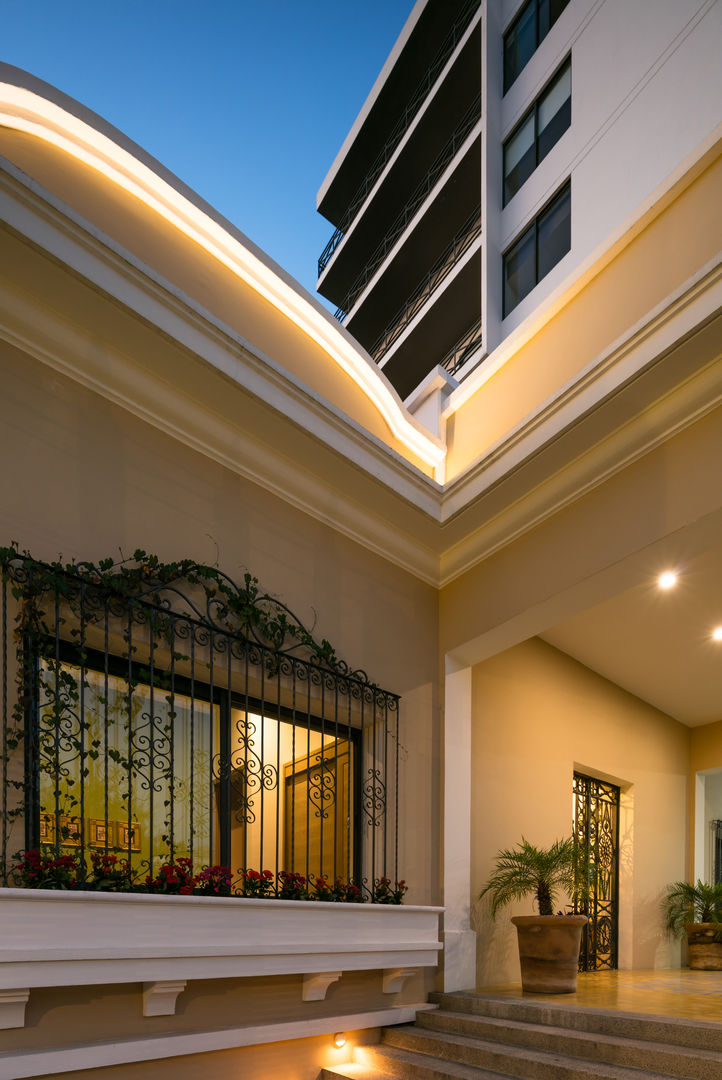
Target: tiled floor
(693,994)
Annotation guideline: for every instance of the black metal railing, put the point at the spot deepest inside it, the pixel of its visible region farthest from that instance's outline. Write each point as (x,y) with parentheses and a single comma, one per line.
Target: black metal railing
(399,129)
(466,124)
(160,712)
(462,349)
(443,266)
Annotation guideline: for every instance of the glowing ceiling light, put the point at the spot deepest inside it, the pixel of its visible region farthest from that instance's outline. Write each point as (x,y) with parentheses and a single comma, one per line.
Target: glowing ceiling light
(717,633)
(339,1040)
(667,580)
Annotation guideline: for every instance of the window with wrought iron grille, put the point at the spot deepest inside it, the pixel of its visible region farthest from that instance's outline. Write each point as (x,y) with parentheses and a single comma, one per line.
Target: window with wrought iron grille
(165,715)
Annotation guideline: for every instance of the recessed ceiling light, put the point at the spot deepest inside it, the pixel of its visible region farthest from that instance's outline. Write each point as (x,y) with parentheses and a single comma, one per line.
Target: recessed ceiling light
(667,580)
(717,633)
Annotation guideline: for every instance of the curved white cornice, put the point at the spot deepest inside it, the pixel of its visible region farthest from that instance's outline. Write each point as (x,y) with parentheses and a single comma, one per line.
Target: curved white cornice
(23,110)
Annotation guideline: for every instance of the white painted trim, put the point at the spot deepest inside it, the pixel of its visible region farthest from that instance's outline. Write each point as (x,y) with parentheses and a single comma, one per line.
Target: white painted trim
(160,998)
(315,987)
(12,1008)
(56,938)
(23,110)
(459,959)
(57,1060)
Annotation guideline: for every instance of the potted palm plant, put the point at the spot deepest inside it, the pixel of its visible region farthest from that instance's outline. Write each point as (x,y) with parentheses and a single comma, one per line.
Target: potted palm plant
(696,910)
(548,943)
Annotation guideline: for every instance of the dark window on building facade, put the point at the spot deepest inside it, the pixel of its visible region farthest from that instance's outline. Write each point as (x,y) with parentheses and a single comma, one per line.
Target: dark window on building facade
(538,131)
(526,33)
(538,249)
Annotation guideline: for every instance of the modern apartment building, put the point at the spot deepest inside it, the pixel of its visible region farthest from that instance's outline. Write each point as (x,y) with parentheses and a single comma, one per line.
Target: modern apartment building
(501,146)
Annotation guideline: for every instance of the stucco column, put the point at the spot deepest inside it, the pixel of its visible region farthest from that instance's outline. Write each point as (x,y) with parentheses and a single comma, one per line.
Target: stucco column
(459,938)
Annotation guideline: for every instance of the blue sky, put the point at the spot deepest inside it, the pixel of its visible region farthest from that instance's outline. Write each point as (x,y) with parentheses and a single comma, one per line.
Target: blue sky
(247,102)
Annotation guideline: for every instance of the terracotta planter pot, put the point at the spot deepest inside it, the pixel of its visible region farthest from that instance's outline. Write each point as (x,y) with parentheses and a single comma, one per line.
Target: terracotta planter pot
(549,952)
(704,953)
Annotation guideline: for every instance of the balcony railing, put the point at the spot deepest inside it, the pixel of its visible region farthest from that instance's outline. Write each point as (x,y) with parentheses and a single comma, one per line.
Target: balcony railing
(443,266)
(462,349)
(400,127)
(466,124)
(162,711)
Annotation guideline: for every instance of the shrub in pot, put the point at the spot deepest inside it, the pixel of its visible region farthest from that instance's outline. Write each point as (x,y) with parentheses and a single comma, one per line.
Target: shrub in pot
(696,910)
(548,943)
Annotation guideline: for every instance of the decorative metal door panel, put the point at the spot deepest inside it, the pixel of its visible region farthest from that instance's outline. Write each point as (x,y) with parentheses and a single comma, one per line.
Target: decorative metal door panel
(596,829)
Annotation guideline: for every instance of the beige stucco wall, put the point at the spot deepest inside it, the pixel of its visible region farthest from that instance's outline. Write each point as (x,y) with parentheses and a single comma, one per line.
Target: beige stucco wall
(84,479)
(537,715)
(61,1017)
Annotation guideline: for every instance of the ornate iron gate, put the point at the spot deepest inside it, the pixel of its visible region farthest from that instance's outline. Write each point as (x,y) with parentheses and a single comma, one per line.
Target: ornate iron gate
(596,830)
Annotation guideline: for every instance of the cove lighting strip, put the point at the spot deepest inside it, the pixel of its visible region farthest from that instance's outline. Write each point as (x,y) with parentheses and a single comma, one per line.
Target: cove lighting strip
(22,110)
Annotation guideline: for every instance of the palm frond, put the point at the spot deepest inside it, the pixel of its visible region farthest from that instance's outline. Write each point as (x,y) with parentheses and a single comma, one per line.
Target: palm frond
(525,870)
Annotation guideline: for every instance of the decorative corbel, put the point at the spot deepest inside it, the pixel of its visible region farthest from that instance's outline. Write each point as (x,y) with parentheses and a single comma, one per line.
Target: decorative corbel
(316,985)
(159,998)
(394,979)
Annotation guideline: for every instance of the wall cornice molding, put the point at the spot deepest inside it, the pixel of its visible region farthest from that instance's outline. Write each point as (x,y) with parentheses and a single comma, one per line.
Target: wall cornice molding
(345,477)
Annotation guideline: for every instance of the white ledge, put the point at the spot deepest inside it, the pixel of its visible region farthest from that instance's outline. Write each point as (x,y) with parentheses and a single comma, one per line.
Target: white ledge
(57,1060)
(56,938)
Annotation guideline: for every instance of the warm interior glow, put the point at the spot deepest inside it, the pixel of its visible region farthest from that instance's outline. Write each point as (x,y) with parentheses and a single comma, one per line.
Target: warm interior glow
(717,633)
(339,1040)
(667,580)
(28,112)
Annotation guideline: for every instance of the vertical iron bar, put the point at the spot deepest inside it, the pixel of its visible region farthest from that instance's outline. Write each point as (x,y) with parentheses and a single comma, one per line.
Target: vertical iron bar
(4,855)
(130,738)
(56,731)
(374,805)
(292,867)
(191,753)
(172,726)
(322,788)
(385,780)
(82,723)
(396,797)
(278,771)
(260,752)
(351,771)
(227,763)
(151,741)
(336,779)
(309,671)
(106,755)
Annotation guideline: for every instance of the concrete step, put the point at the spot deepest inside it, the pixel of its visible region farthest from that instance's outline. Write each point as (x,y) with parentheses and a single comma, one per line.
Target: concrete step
(681,1062)
(384,1062)
(503,1059)
(674,1031)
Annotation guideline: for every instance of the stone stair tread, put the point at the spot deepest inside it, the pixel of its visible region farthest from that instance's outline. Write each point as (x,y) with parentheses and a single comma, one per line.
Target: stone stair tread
(425,1067)
(588,1037)
(564,1065)
(647,1027)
